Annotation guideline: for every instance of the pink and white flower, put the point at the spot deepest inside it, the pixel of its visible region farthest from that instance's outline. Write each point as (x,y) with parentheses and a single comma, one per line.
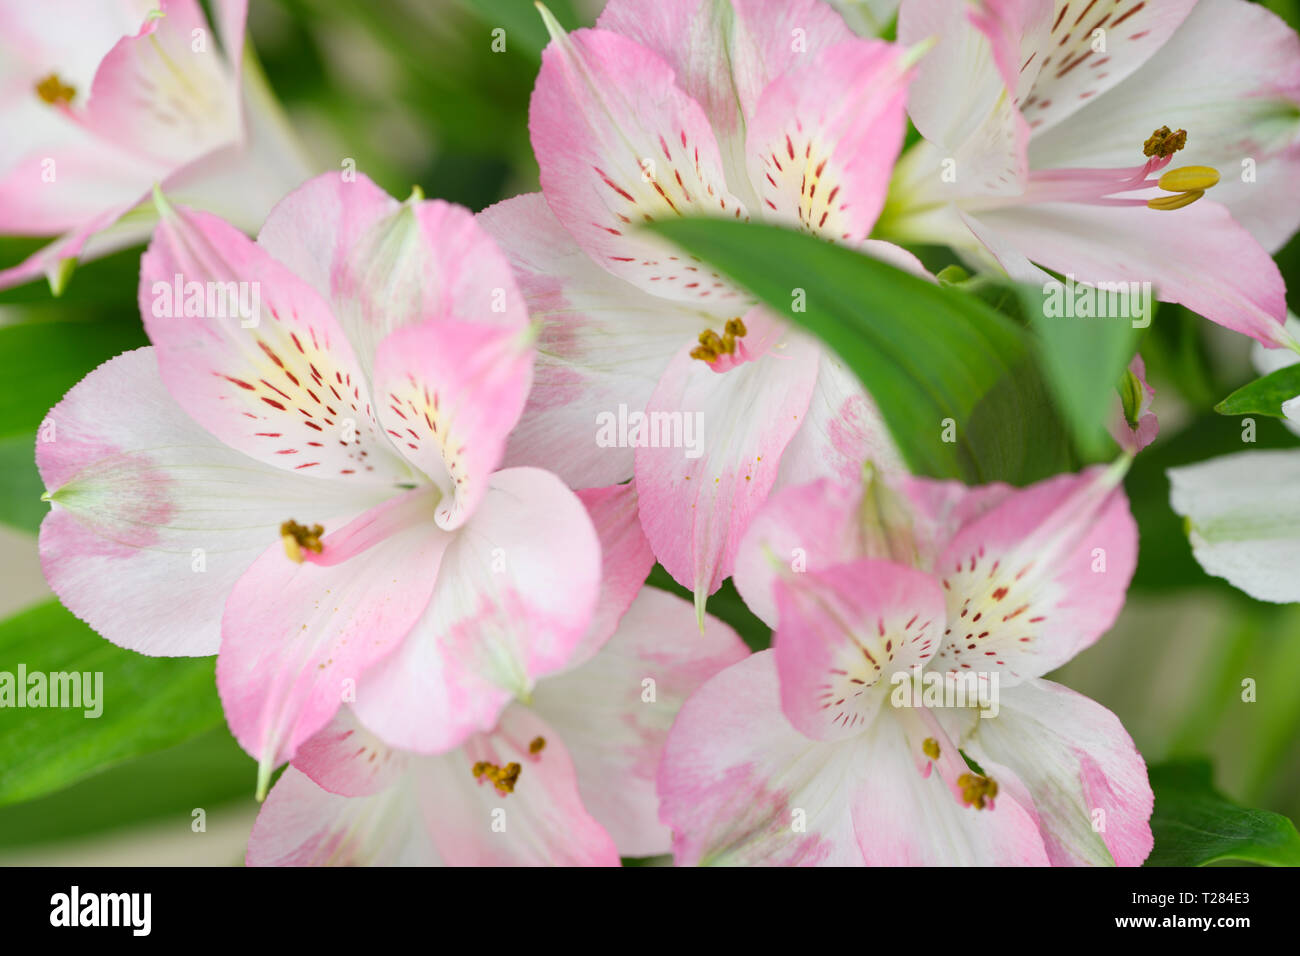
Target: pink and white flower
(762,109)
(1039,151)
(369,399)
(567,779)
(101,99)
(811,753)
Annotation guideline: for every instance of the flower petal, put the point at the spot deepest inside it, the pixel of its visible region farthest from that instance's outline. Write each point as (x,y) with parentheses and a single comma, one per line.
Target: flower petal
(514,599)
(602,348)
(614,712)
(739,786)
(253,354)
(695,509)
(1088,782)
(843,633)
(153,520)
(619,144)
(822,143)
(1242,514)
(296,638)
(449,392)
(1040,576)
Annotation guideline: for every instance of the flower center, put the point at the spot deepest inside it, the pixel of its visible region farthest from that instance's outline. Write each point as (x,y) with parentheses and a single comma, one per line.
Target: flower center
(503,778)
(297,537)
(722,351)
(54,91)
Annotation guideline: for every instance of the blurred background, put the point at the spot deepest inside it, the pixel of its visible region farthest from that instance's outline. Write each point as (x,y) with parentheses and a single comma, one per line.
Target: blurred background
(414,93)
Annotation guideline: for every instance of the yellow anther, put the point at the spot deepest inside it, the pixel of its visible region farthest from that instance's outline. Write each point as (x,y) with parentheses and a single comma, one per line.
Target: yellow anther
(977,790)
(1176,202)
(735,327)
(930,747)
(538,744)
(503,778)
(1188,179)
(53,90)
(713,345)
(297,536)
(1164,143)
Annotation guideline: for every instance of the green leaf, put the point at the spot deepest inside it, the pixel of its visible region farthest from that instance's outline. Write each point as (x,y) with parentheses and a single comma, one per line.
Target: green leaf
(1084,359)
(20,484)
(927,353)
(147,703)
(40,361)
(1195,825)
(1264,396)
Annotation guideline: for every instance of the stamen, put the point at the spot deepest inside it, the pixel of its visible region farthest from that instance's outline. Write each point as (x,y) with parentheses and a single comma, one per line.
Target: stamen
(297,536)
(712,346)
(930,747)
(54,91)
(503,778)
(977,790)
(1188,179)
(537,746)
(1164,143)
(1175,202)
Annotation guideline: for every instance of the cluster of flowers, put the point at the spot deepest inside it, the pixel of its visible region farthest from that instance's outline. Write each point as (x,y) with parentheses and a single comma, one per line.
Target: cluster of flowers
(422,576)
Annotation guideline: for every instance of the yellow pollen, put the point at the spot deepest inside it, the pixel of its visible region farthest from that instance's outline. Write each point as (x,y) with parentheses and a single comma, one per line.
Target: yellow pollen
(930,747)
(297,536)
(53,90)
(538,744)
(977,790)
(1175,202)
(503,778)
(1164,143)
(713,345)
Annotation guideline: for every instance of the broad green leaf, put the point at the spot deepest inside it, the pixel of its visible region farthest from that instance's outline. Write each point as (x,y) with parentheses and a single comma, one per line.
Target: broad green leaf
(1083,359)
(40,361)
(1264,396)
(147,703)
(940,364)
(206,772)
(20,483)
(1195,825)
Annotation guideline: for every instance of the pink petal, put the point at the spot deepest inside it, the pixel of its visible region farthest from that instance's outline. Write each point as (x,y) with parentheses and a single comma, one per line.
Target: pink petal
(903,819)
(740,786)
(287,389)
(449,392)
(618,144)
(296,638)
(1196,256)
(626,560)
(514,599)
(821,146)
(843,635)
(614,711)
(694,510)
(1039,577)
(1088,781)
(602,347)
(153,520)
(347,759)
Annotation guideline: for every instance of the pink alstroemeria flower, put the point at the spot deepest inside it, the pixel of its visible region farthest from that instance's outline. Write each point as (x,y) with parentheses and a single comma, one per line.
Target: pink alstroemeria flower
(101,99)
(811,753)
(762,109)
(1048,125)
(371,396)
(1132,423)
(584,751)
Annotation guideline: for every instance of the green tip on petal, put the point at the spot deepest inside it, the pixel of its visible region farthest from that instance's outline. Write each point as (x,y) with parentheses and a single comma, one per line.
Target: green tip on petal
(553,27)
(701,599)
(160,202)
(417,194)
(154,14)
(264,768)
(61,275)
